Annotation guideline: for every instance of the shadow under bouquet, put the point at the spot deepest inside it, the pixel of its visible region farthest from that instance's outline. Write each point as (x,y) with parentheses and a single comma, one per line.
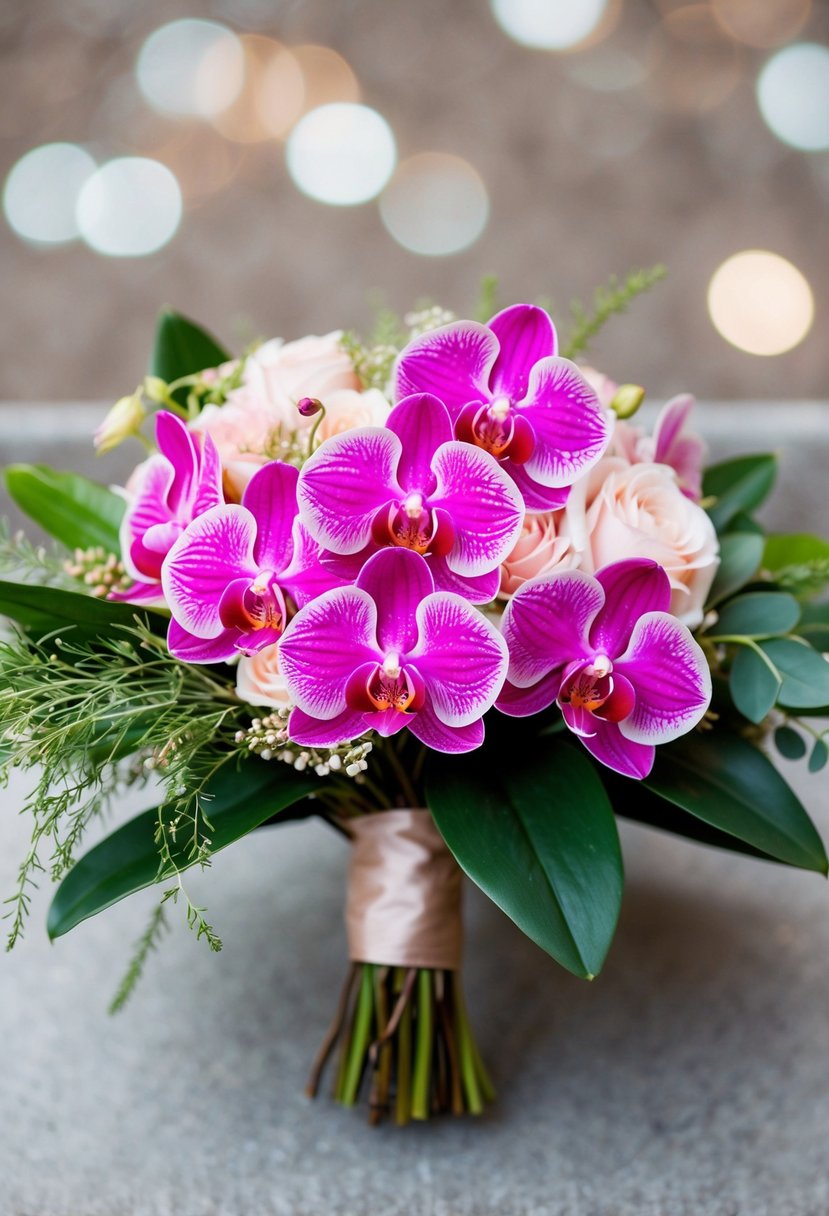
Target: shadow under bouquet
(439,590)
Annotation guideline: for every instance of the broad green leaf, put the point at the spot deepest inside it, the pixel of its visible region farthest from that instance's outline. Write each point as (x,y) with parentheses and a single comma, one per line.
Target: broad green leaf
(743,522)
(128,860)
(44,609)
(740,556)
(819,756)
(805,673)
(754,684)
(80,513)
(789,743)
(540,839)
(727,782)
(757,614)
(814,625)
(738,485)
(794,549)
(182,347)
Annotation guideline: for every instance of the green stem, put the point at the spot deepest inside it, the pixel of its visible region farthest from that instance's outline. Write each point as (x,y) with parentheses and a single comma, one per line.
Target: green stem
(402,1107)
(467,1053)
(423,1046)
(360,1038)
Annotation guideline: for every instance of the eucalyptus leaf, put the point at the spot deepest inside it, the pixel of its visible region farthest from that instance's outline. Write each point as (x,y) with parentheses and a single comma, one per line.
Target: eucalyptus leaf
(819,756)
(80,513)
(541,840)
(182,348)
(727,782)
(814,625)
(126,861)
(754,684)
(805,673)
(757,614)
(789,743)
(740,557)
(738,485)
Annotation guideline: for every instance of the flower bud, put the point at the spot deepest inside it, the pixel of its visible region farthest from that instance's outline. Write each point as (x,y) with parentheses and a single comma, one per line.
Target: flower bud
(309,406)
(627,399)
(123,420)
(155,389)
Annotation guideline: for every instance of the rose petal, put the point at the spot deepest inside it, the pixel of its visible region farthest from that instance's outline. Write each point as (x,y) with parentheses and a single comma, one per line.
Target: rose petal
(631,589)
(428,728)
(571,429)
(525,334)
(671,677)
(623,755)
(270,497)
(344,484)
(212,551)
(311,732)
(453,362)
(397,580)
(546,624)
(421,423)
(323,644)
(521,702)
(486,508)
(461,656)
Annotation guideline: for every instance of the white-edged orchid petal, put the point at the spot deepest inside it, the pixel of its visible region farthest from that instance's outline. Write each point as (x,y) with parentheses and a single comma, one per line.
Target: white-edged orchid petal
(670,676)
(461,656)
(343,485)
(322,646)
(546,624)
(485,506)
(213,550)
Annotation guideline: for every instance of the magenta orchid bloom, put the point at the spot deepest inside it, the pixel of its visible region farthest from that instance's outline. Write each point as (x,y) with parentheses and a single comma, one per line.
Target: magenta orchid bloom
(625,674)
(670,444)
(391,652)
(411,484)
(181,481)
(228,576)
(508,392)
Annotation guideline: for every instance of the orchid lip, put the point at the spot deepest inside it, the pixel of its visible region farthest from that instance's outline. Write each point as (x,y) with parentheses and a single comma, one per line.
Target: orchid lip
(377,687)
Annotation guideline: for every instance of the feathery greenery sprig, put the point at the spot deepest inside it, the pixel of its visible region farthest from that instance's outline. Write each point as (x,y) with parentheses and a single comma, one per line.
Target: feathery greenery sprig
(611,298)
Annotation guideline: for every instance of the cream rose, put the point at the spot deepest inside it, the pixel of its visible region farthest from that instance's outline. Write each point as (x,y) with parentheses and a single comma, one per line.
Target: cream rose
(640,511)
(347,408)
(540,549)
(259,680)
(309,367)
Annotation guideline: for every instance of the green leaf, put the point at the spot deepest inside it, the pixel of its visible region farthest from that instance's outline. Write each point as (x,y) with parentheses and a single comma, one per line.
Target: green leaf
(814,625)
(44,609)
(740,556)
(795,549)
(738,485)
(805,673)
(819,756)
(730,784)
(789,743)
(754,684)
(182,347)
(541,841)
(76,511)
(128,860)
(757,614)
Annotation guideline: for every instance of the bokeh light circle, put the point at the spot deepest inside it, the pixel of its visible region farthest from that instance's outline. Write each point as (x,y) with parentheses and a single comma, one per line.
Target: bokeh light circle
(760,303)
(191,67)
(549,25)
(435,204)
(341,153)
(41,192)
(793,95)
(129,207)
(763,25)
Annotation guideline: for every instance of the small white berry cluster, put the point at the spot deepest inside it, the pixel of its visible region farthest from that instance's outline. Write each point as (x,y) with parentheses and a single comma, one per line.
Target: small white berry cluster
(268,738)
(100,571)
(426,319)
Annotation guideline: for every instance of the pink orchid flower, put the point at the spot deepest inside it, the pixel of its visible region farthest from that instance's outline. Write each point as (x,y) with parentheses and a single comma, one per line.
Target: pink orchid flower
(410,484)
(174,486)
(388,653)
(625,674)
(508,392)
(671,444)
(228,577)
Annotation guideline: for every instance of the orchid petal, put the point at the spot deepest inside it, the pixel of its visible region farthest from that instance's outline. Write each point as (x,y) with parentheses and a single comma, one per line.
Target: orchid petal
(571,429)
(672,418)
(546,624)
(343,485)
(671,677)
(140,593)
(522,702)
(388,722)
(307,576)
(461,656)
(631,588)
(148,507)
(177,446)
(214,549)
(477,588)
(428,728)
(421,423)
(615,751)
(537,498)
(621,701)
(453,362)
(525,334)
(311,732)
(397,580)
(190,649)
(209,491)
(323,644)
(270,497)
(486,508)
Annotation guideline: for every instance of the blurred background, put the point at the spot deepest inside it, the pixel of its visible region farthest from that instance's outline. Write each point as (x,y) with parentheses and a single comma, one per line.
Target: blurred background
(278,166)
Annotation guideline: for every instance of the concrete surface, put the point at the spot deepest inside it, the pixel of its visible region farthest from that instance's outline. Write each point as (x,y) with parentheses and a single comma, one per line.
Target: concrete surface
(691,1079)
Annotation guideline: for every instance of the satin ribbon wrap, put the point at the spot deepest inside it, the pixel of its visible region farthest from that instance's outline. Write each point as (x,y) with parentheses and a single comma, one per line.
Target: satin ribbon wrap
(403,902)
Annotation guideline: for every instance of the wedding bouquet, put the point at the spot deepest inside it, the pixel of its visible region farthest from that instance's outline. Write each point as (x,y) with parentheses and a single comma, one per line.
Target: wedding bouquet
(439,590)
